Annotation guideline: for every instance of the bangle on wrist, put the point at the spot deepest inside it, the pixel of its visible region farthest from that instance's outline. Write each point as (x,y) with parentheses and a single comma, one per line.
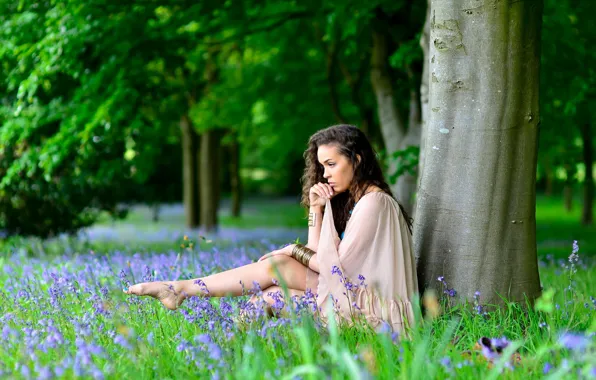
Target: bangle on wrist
(302,254)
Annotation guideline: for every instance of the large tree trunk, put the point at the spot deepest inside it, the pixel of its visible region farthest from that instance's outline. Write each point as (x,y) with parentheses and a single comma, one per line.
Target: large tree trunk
(392,125)
(475,221)
(235,181)
(190,172)
(209,179)
(588,156)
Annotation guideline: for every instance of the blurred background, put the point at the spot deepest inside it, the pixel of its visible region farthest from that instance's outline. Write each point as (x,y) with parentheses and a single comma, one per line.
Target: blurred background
(145,120)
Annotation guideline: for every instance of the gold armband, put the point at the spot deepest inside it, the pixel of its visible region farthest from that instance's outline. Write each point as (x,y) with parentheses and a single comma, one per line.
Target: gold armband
(302,254)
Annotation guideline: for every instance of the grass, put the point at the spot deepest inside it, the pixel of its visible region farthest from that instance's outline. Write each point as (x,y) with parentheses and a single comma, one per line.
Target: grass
(62,314)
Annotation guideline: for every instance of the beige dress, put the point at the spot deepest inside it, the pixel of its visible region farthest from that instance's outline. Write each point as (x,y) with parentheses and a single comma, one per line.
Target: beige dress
(378,246)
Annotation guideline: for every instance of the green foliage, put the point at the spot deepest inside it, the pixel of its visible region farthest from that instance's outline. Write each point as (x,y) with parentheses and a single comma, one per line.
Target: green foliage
(406,162)
(567,83)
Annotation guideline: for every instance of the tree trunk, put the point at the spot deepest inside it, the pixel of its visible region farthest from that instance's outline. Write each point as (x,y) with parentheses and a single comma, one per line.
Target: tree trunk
(235,181)
(549,178)
(209,179)
(475,221)
(155,209)
(588,155)
(190,172)
(392,125)
(568,189)
(425,45)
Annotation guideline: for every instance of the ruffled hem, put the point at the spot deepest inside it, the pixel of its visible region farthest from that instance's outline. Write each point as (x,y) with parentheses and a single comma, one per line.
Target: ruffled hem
(379,312)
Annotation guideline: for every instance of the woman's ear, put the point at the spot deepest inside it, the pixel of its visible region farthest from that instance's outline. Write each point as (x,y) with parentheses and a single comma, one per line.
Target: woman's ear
(358,159)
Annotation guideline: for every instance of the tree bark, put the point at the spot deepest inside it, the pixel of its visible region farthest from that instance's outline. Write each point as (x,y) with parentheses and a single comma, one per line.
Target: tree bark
(588,156)
(190,172)
(549,179)
(209,180)
(235,180)
(425,45)
(568,188)
(475,221)
(392,125)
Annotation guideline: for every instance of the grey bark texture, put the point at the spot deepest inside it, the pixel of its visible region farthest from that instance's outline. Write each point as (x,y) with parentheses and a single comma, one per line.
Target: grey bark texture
(424,44)
(475,221)
(393,129)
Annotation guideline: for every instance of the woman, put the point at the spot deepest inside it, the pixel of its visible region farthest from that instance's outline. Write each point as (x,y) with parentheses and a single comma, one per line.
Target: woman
(358,258)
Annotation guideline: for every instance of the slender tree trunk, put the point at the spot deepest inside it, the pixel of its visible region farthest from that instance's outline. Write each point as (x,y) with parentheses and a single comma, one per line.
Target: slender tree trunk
(190,172)
(392,125)
(568,189)
(588,155)
(355,83)
(425,45)
(235,181)
(209,180)
(549,178)
(475,221)
(155,209)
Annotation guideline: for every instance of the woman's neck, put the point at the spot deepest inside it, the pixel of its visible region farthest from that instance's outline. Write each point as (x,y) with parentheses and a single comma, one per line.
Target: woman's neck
(368,189)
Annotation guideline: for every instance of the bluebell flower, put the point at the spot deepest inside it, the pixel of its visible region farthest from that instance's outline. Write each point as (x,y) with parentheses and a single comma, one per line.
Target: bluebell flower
(573,341)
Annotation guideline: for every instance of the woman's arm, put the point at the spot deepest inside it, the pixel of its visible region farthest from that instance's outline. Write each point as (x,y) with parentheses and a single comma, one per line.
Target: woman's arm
(314,263)
(314,232)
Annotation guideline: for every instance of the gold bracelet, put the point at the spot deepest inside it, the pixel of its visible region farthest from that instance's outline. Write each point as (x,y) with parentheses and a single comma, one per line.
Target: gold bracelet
(302,254)
(312,219)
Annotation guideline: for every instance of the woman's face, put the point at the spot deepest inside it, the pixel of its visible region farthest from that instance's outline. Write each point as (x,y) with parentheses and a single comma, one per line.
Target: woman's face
(338,170)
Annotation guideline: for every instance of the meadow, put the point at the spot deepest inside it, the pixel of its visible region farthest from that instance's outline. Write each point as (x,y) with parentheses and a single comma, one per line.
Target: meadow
(63,313)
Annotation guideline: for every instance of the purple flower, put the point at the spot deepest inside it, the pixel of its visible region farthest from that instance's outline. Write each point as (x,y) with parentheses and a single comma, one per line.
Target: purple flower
(335,270)
(547,368)
(493,348)
(574,342)
(446,362)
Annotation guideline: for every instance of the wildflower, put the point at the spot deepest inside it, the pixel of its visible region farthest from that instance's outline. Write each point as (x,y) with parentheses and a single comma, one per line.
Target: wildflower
(547,368)
(335,270)
(446,363)
(492,349)
(573,341)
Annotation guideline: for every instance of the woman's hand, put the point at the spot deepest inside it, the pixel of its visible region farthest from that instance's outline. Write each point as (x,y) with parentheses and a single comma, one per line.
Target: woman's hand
(283,251)
(319,194)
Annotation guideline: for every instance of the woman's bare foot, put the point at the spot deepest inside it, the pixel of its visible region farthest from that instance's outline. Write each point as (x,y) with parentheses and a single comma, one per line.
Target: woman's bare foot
(170,293)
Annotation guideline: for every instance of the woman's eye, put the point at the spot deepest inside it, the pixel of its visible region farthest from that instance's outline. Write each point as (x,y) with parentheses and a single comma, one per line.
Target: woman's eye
(331,165)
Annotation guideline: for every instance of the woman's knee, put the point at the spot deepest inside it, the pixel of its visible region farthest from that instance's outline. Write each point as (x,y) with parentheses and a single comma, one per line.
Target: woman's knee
(277,263)
(273,296)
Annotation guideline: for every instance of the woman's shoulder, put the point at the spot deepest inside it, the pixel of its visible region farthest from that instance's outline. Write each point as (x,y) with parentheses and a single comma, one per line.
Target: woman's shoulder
(376,199)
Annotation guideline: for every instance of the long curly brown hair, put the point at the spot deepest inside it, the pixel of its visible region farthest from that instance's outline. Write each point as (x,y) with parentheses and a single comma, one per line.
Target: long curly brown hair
(350,142)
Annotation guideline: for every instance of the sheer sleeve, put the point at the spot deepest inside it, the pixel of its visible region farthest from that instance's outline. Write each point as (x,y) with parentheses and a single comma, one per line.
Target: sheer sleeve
(372,269)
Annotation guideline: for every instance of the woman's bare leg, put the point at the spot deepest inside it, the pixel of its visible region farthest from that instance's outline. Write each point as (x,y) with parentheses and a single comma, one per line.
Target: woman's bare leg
(270,297)
(172,293)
